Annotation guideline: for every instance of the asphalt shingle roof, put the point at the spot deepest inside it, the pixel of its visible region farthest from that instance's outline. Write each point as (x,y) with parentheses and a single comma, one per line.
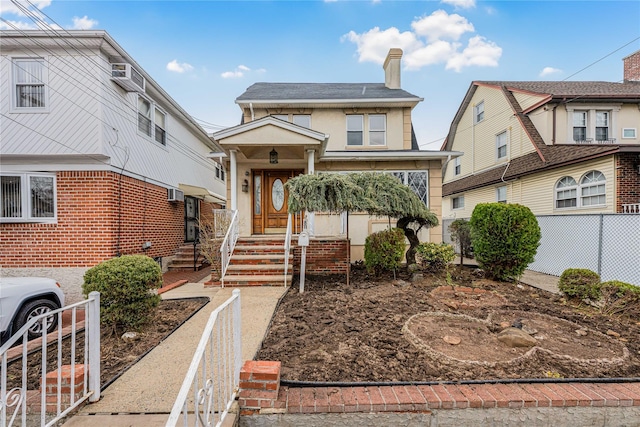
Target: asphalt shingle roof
(572,89)
(321,91)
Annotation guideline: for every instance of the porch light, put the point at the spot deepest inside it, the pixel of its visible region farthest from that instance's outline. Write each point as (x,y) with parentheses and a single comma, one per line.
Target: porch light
(245,186)
(273,157)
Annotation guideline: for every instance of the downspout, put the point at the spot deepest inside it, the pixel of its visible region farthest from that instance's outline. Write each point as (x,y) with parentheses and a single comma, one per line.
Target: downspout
(504,173)
(253,116)
(473,145)
(446,163)
(553,131)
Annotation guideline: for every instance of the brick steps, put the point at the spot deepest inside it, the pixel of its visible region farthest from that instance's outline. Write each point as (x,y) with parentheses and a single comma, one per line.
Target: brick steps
(183,259)
(237,280)
(258,261)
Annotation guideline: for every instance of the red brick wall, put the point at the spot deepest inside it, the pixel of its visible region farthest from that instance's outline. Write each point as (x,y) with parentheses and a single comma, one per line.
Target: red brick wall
(93,208)
(632,67)
(628,188)
(324,256)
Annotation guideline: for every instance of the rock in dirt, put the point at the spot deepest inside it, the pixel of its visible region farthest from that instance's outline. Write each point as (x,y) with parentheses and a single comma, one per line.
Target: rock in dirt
(613,334)
(514,337)
(130,336)
(452,339)
(581,332)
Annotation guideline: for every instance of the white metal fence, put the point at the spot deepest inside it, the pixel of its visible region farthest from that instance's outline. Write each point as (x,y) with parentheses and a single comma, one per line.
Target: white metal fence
(20,400)
(211,384)
(608,244)
(229,242)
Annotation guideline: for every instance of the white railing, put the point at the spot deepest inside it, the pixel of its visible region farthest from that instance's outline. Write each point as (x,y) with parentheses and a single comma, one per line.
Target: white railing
(221,220)
(212,381)
(287,247)
(228,244)
(15,398)
(631,208)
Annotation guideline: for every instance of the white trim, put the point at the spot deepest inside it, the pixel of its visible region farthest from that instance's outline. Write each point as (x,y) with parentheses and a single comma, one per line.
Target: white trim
(14,101)
(265,121)
(354,156)
(25,199)
(635,133)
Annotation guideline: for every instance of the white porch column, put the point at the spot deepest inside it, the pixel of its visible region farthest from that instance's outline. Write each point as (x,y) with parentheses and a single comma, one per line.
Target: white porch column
(311,169)
(234,180)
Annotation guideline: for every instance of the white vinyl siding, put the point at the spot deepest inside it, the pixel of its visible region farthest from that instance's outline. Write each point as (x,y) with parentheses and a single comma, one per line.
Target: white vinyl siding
(27,197)
(29,84)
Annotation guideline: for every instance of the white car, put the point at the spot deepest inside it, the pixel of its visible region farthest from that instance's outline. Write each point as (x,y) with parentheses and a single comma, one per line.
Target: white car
(23,298)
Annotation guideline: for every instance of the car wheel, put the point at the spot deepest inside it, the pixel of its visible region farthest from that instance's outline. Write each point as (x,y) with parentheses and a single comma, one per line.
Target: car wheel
(36,308)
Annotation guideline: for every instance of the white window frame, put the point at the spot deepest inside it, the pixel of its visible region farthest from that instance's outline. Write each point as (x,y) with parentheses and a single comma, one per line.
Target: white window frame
(607,115)
(147,115)
(478,112)
(566,188)
(303,120)
(633,133)
(583,191)
(499,145)
(14,85)
(349,129)
(373,131)
(590,113)
(151,116)
(219,172)
(591,185)
(501,194)
(457,167)
(157,111)
(25,199)
(460,203)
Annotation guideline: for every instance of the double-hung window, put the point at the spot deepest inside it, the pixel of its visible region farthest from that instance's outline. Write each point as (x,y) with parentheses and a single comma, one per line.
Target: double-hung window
(29,80)
(355,129)
(457,168)
(160,120)
(144,116)
(602,125)
(377,129)
(501,145)
(579,126)
(501,194)
(478,112)
(27,197)
(152,121)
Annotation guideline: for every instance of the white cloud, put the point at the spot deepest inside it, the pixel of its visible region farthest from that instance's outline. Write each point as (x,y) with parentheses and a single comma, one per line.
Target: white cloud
(243,68)
(440,25)
(547,71)
(374,44)
(461,4)
(17,25)
(240,71)
(177,67)
(9,7)
(434,39)
(84,23)
(478,52)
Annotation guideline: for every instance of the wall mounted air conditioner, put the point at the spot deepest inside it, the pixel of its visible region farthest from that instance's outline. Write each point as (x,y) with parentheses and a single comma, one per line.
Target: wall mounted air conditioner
(175,195)
(127,77)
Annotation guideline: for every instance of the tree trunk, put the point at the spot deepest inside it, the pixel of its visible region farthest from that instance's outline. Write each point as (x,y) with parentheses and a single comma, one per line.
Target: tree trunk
(412,236)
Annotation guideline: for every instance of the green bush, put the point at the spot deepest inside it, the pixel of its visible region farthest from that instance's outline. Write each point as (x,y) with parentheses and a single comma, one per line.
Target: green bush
(126,286)
(505,238)
(580,283)
(383,250)
(460,230)
(618,297)
(436,256)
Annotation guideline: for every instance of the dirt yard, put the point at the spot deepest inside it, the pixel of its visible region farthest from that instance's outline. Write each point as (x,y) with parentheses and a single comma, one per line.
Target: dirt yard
(386,329)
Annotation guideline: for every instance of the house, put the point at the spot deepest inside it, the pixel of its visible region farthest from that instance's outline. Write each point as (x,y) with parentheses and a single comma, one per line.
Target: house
(97,160)
(562,148)
(289,129)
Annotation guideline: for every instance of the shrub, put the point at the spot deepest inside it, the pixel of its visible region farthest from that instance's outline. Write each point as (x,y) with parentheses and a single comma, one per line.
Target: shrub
(505,238)
(436,256)
(383,250)
(126,288)
(460,230)
(618,297)
(580,283)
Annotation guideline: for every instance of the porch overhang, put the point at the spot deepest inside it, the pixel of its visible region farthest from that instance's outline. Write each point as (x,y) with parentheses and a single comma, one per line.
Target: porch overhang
(202,193)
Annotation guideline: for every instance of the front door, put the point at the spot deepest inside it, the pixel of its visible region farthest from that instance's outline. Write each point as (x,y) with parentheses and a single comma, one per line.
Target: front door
(270,201)
(190,219)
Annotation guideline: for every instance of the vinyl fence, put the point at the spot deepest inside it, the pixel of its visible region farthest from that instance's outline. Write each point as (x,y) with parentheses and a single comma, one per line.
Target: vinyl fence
(608,244)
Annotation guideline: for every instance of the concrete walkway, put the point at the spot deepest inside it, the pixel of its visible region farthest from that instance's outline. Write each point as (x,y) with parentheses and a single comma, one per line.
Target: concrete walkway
(145,394)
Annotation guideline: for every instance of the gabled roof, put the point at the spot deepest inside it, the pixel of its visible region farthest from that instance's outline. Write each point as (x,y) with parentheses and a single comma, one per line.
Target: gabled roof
(315,93)
(269,121)
(546,156)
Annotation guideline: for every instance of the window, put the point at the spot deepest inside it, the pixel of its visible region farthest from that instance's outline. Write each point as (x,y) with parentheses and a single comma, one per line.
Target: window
(418,181)
(29,78)
(629,133)
(457,202)
(592,189)
(478,112)
(579,125)
(303,120)
(160,132)
(456,166)
(219,172)
(501,194)
(377,129)
(27,197)
(602,125)
(144,116)
(566,193)
(355,130)
(501,145)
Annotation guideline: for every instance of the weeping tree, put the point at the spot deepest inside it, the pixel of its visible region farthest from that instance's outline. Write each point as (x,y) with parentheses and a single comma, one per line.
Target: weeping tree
(373,193)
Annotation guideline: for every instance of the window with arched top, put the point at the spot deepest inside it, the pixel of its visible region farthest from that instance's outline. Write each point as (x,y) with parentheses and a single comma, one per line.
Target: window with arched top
(592,189)
(566,193)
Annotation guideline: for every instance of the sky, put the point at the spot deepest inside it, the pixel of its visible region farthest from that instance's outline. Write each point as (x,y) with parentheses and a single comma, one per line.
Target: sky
(206,53)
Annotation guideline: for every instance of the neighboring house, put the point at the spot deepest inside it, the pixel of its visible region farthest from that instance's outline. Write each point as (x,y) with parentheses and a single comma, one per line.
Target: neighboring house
(96,159)
(556,147)
(304,128)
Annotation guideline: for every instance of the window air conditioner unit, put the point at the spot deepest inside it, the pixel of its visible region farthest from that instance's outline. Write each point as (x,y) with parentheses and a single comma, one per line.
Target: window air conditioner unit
(127,77)
(175,195)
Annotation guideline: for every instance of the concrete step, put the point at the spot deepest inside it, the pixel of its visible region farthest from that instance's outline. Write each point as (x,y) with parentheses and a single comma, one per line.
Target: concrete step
(256,280)
(257,270)
(259,259)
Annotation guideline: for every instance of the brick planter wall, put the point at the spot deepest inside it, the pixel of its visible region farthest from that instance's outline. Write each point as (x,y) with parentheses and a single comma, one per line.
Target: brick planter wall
(628,188)
(324,256)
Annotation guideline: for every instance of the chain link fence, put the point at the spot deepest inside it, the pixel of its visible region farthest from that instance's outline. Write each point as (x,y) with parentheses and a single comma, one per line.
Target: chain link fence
(608,244)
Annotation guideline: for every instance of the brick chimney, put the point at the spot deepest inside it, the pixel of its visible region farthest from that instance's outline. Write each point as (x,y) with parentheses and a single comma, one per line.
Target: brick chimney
(631,67)
(392,68)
